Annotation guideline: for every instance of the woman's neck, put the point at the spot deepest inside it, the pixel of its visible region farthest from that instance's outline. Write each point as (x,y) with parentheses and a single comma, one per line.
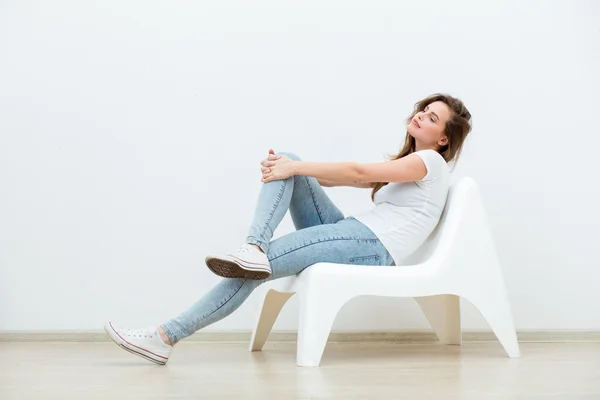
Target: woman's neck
(419,147)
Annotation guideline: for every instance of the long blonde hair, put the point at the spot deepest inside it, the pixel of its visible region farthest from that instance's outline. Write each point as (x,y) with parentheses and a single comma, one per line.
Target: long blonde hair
(456,130)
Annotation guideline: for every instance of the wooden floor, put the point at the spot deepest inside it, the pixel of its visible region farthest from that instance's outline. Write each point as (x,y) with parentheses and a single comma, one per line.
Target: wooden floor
(348,371)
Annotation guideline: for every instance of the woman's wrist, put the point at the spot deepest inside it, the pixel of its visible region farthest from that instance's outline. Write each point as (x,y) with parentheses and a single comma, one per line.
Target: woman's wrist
(296,167)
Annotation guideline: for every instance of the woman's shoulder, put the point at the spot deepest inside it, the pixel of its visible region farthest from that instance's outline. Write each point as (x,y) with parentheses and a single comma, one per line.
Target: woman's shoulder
(436,165)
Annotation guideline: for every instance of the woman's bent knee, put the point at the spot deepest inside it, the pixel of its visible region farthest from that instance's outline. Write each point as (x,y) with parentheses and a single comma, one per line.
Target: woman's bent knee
(289,155)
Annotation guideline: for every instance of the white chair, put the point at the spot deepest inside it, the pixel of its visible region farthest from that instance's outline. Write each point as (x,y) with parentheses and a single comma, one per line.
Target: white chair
(458,260)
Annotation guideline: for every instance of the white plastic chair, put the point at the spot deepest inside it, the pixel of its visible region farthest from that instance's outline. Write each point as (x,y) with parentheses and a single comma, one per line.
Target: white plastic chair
(458,260)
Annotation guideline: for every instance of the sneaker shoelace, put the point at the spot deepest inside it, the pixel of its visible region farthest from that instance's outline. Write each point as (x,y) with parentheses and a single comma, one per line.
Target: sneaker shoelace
(137,333)
(244,249)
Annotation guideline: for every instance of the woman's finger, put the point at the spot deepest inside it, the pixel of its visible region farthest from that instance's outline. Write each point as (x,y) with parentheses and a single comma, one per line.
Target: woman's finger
(266,160)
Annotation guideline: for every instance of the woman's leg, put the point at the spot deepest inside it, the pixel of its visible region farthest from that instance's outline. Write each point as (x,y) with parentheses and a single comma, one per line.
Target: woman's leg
(346,242)
(309,206)
(308,203)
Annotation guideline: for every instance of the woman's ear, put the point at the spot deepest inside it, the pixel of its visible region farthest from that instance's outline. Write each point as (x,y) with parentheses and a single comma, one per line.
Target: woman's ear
(443,141)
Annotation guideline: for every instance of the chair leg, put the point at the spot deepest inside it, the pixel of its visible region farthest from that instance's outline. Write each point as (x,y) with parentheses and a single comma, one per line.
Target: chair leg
(443,313)
(315,322)
(496,311)
(272,303)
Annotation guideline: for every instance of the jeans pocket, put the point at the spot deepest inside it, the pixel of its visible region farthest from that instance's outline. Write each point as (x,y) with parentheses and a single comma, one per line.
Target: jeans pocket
(365,260)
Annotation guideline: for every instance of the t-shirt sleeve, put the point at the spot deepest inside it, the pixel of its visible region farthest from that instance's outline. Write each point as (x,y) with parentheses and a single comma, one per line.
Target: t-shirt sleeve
(434,163)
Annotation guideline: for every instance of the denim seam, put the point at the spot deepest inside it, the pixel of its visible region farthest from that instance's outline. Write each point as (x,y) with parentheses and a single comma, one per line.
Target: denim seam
(375,256)
(320,241)
(218,307)
(312,194)
(272,212)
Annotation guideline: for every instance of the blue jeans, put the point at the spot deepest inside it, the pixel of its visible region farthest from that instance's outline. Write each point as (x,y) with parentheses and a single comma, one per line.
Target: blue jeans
(322,235)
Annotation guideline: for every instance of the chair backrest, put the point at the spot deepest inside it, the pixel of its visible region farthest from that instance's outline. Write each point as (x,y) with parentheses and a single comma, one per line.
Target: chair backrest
(460,195)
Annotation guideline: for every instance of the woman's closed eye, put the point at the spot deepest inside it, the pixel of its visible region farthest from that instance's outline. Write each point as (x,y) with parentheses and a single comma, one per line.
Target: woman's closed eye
(430,117)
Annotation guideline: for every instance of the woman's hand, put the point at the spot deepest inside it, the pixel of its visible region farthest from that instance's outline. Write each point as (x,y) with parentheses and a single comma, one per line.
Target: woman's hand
(272,157)
(276,167)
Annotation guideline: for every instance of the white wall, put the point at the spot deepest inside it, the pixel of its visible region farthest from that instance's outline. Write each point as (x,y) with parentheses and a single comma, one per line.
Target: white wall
(131,135)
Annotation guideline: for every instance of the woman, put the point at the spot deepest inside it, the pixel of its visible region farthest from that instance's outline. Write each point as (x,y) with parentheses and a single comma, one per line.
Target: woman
(409,192)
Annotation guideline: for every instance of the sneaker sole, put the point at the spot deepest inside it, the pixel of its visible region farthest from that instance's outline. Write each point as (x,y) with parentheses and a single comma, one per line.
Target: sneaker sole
(231,269)
(138,351)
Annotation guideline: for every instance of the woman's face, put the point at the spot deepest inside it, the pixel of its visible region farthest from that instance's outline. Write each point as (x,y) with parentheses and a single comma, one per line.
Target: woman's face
(427,127)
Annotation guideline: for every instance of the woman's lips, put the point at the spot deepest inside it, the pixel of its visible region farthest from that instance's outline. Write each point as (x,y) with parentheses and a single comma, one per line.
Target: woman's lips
(414,121)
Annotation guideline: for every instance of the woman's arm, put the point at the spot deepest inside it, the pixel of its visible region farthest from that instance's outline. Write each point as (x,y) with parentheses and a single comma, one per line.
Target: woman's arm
(328,183)
(347,172)
(331,174)
(406,169)
(328,174)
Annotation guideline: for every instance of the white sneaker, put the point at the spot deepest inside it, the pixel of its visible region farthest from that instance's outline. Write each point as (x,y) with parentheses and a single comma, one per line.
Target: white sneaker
(145,343)
(246,262)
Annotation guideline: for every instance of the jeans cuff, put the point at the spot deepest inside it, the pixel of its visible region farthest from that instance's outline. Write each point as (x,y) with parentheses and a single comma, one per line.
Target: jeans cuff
(172,337)
(258,242)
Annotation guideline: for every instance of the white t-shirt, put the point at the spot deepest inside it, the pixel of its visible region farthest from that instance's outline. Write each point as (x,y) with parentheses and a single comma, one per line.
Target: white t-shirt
(406,213)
